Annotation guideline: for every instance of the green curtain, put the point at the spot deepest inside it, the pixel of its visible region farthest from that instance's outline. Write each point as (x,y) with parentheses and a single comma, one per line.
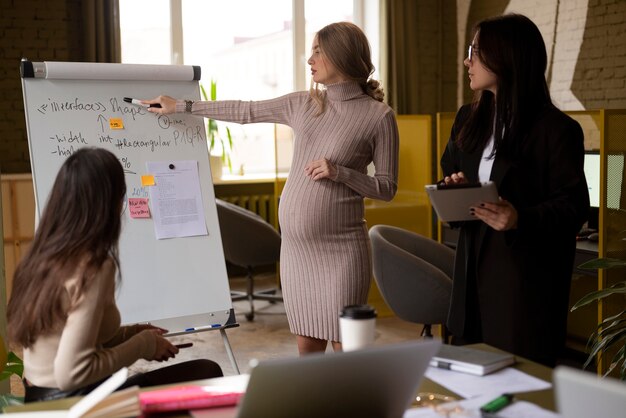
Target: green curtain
(101,31)
(402,64)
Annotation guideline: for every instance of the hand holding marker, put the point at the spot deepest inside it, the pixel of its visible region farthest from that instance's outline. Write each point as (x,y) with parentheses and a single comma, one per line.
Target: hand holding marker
(183,345)
(138,102)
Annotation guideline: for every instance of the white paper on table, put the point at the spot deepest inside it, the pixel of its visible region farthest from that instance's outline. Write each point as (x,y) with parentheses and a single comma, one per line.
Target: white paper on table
(508,380)
(176,199)
(471,409)
(237,383)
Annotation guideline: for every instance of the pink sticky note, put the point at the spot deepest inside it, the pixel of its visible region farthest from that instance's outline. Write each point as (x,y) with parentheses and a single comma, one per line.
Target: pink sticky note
(138,207)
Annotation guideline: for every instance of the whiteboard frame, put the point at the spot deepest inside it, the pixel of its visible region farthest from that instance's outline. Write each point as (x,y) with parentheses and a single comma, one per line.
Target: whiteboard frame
(129,79)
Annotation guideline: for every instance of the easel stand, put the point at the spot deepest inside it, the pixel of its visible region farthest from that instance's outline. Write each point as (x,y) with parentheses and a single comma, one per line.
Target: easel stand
(230,323)
(229,350)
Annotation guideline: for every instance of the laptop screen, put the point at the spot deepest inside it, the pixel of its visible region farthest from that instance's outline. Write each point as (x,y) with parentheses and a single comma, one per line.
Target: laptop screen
(380,381)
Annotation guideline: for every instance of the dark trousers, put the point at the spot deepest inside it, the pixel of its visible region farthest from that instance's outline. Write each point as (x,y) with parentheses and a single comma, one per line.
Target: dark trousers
(176,373)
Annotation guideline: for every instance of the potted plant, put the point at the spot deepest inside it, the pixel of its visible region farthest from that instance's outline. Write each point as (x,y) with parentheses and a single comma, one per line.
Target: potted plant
(611,332)
(214,136)
(10,364)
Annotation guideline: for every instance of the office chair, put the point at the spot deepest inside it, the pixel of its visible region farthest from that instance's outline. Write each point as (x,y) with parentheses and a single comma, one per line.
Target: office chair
(248,241)
(414,275)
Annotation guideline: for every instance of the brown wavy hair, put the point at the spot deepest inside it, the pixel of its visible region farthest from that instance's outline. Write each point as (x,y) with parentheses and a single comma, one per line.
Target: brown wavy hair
(346,47)
(79,229)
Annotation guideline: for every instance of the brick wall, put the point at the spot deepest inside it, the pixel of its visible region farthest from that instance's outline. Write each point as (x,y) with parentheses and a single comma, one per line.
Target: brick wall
(600,74)
(39,31)
(586,43)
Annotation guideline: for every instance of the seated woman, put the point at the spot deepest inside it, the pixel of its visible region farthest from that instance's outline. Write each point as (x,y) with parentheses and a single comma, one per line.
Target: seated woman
(62,309)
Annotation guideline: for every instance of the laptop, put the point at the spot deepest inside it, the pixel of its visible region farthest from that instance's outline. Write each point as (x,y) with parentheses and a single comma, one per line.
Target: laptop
(581,394)
(379,381)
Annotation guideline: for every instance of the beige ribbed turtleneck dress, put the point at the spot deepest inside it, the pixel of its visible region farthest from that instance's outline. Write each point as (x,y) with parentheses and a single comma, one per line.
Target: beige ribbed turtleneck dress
(325,259)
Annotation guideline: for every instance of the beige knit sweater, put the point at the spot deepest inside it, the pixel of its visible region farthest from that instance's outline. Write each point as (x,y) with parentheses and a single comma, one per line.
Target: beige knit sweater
(325,256)
(90,345)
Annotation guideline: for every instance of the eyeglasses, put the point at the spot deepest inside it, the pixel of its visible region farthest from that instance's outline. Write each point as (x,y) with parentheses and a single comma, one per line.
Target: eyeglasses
(471,50)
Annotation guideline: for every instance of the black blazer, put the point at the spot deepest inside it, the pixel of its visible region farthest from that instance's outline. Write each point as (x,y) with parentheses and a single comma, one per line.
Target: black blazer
(522,305)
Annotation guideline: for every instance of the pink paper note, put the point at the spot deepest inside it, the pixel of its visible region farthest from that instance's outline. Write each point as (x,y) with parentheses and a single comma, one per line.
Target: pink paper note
(138,207)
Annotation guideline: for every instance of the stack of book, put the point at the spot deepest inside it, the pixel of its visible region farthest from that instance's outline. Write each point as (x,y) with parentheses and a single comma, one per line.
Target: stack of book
(470,360)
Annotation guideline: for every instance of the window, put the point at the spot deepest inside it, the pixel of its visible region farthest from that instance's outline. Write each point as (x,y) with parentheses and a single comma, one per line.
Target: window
(145,36)
(246,46)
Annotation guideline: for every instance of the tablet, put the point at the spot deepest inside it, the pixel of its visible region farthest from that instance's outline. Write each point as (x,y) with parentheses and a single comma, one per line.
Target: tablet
(452,202)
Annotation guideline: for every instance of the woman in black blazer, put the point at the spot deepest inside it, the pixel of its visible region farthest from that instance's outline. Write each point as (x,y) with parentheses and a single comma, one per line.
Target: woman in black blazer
(514,263)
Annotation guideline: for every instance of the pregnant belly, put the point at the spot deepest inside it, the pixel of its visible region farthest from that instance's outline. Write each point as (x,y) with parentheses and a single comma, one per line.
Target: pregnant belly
(321,209)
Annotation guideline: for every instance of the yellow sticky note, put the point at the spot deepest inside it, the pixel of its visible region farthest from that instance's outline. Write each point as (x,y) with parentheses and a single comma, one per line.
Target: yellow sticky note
(116,123)
(147,180)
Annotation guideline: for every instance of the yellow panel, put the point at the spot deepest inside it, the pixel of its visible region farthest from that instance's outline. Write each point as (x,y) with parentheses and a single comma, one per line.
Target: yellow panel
(445,120)
(410,208)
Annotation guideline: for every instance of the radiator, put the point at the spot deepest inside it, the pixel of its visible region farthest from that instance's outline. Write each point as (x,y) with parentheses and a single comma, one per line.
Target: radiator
(261,204)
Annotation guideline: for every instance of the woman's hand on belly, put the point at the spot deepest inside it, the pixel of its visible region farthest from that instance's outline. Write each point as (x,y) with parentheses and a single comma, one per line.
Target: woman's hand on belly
(321,169)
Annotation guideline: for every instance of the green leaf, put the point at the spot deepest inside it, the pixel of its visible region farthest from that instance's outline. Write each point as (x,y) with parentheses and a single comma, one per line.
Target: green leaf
(617,359)
(212,130)
(603,344)
(230,139)
(14,365)
(602,263)
(213,126)
(6,399)
(616,289)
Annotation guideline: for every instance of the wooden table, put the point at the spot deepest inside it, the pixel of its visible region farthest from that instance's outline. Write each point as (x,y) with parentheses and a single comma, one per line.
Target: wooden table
(542,398)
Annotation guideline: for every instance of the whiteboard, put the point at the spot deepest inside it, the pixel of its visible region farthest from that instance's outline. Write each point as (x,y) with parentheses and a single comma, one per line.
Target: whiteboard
(178,283)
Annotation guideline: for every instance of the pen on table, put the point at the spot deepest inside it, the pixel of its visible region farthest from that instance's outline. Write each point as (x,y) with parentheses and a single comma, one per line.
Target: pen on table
(499,403)
(138,102)
(203,327)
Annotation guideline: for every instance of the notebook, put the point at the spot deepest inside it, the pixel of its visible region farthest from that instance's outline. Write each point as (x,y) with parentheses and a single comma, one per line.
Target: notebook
(470,360)
(581,394)
(380,381)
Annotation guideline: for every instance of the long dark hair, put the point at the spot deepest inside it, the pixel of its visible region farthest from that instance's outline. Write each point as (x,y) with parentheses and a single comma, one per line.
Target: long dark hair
(79,229)
(512,48)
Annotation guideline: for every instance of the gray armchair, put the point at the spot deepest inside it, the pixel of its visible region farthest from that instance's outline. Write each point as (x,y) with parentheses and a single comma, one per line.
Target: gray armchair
(248,241)
(414,275)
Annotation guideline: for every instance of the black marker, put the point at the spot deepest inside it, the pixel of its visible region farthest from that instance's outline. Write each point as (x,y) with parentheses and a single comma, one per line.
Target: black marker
(184,345)
(137,102)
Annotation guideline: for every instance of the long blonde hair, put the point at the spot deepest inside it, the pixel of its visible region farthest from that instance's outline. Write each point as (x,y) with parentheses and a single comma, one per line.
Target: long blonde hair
(346,47)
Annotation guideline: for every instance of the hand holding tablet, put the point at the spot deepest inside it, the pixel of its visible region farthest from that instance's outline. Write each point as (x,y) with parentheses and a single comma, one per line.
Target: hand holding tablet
(452,202)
